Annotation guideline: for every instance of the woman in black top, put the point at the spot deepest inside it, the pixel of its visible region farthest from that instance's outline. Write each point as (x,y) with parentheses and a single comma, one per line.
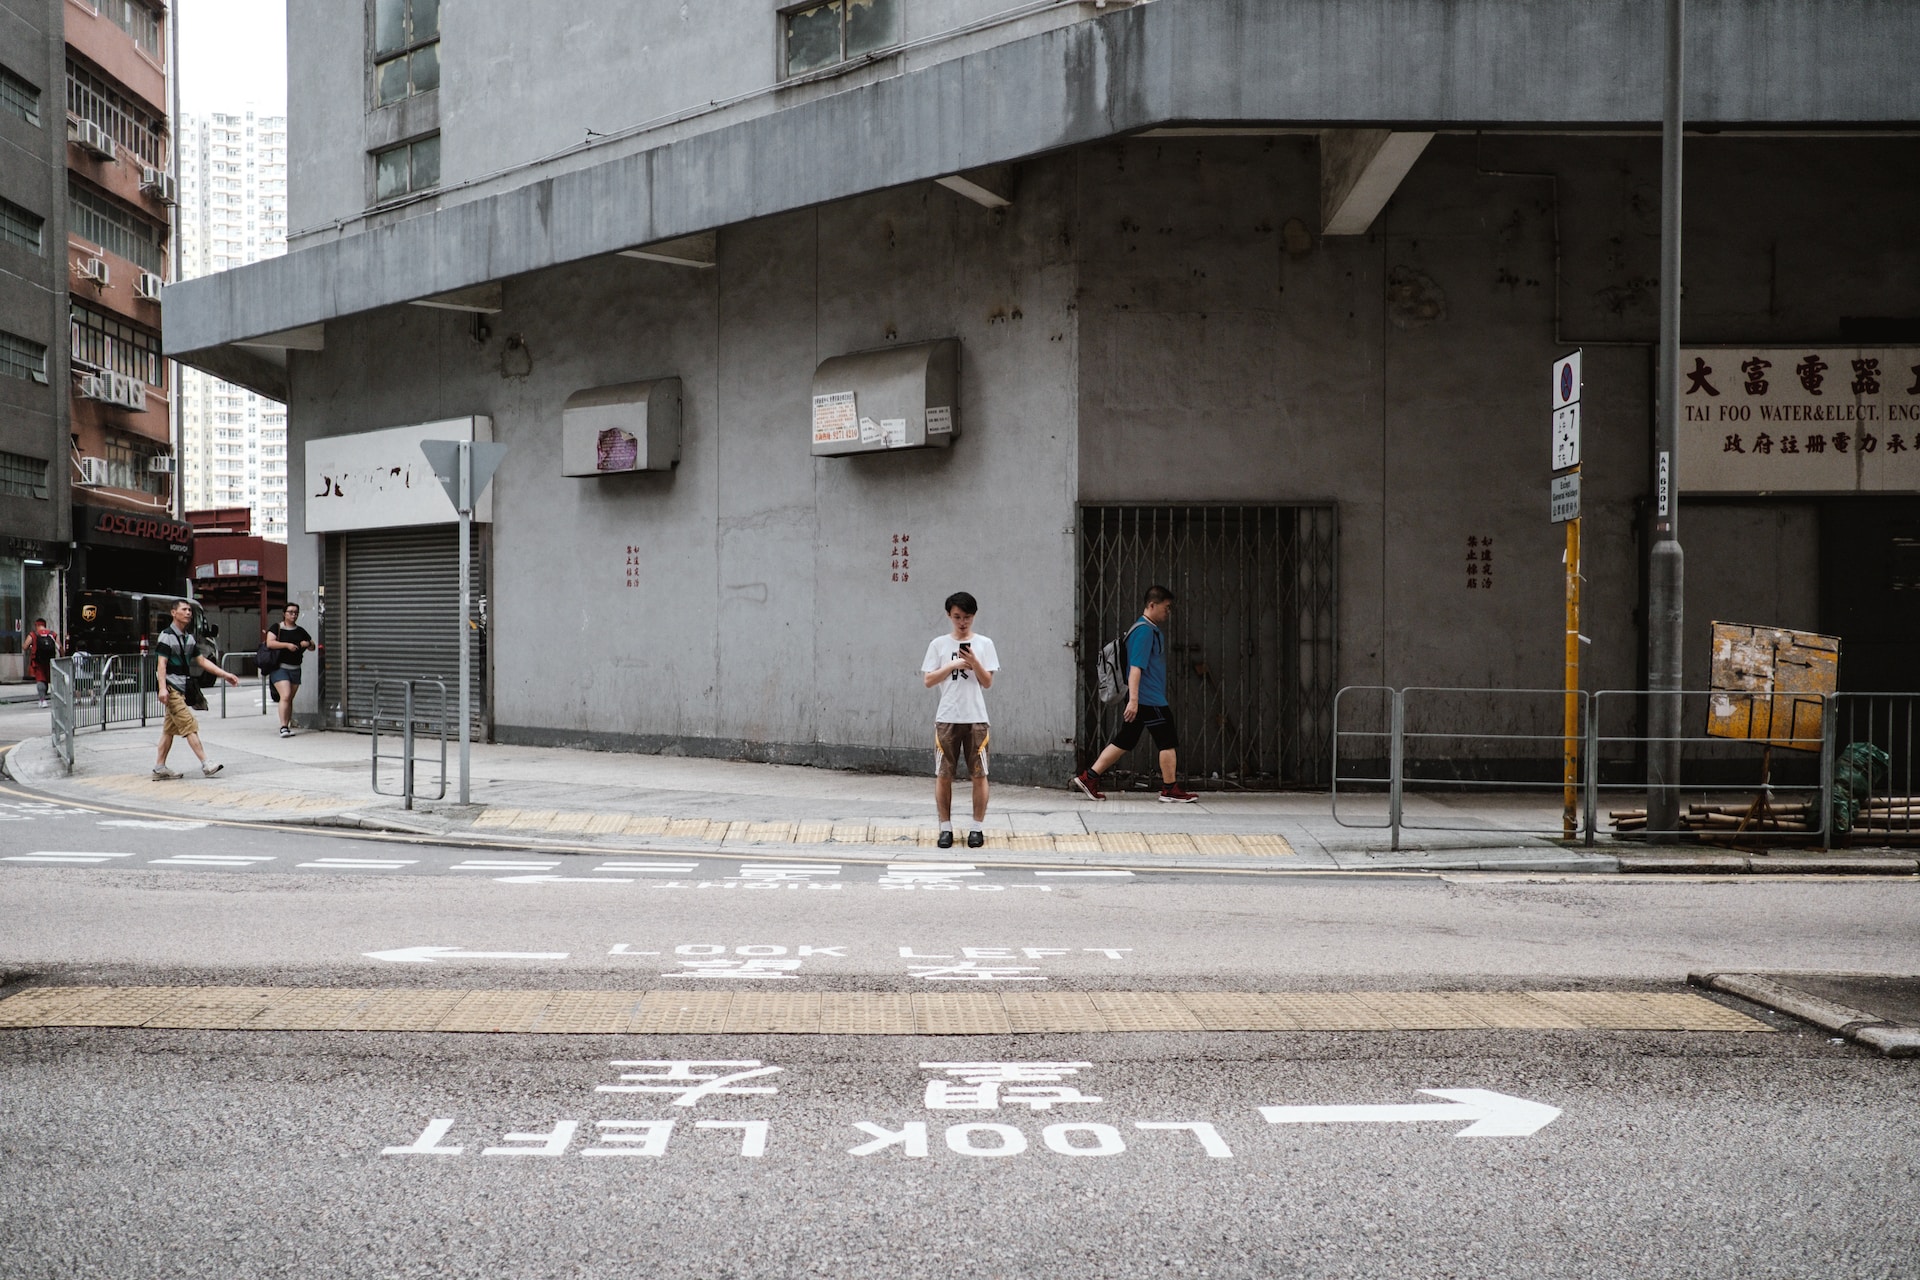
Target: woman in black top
(290,641)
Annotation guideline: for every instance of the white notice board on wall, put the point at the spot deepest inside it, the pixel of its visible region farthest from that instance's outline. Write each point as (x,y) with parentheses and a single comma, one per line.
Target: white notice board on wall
(1799,420)
(381,480)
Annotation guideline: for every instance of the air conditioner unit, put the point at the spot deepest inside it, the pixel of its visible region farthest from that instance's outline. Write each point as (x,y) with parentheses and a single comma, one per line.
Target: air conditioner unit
(92,137)
(157,183)
(95,269)
(161,464)
(95,386)
(93,471)
(148,287)
(128,392)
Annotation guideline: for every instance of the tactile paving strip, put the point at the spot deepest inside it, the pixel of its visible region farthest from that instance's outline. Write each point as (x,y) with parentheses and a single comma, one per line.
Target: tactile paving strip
(859,1013)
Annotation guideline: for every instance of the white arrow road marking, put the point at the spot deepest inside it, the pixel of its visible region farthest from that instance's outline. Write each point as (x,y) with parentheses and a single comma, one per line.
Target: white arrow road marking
(1122,874)
(359,864)
(671,868)
(426,955)
(560,880)
(146,824)
(52,855)
(504,866)
(1494,1115)
(209,860)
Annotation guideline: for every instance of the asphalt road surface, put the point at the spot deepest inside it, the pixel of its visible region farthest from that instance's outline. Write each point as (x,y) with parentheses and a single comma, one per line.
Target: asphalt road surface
(1521,1152)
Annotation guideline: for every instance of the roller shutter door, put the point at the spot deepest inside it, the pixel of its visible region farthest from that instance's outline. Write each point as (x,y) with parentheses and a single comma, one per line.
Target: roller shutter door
(393,612)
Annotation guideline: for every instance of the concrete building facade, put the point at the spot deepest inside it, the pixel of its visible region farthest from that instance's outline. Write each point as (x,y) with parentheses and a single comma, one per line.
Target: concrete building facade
(34,511)
(121,188)
(1256,301)
(232,211)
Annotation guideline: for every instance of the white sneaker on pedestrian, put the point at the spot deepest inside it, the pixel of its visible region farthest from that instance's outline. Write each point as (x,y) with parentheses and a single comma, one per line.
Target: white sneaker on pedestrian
(209,769)
(285,732)
(163,774)
(43,702)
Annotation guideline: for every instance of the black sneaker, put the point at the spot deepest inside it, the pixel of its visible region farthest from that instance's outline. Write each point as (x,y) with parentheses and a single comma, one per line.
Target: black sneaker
(946,840)
(975,839)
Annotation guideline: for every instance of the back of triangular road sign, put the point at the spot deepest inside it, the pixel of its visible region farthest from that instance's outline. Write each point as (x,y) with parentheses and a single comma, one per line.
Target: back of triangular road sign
(444,457)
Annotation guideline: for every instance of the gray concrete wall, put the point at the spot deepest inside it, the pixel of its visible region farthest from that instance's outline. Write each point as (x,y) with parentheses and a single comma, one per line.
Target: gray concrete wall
(1464,63)
(765,621)
(1405,373)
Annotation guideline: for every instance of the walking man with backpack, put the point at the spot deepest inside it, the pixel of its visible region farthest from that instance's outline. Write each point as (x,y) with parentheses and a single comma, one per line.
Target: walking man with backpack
(179,660)
(961,662)
(42,647)
(1146,710)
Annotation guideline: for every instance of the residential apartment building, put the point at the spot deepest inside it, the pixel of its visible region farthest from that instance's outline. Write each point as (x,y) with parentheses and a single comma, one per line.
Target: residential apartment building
(232,211)
(34,527)
(795,319)
(121,183)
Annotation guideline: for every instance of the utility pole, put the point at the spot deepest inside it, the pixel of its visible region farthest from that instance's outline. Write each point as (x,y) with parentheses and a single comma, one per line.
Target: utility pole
(1665,567)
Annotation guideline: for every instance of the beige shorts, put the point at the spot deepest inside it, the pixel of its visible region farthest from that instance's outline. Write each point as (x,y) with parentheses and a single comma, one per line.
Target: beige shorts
(179,722)
(953,742)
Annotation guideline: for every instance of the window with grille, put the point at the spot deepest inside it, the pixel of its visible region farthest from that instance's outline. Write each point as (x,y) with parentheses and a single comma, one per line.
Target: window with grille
(406,48)
(95,218)
(127,465)
(21,476)
(21,227)
(138,20)
(815,36)
(22,357)
(102,342)
(19,97)
(132,126)
(407,168)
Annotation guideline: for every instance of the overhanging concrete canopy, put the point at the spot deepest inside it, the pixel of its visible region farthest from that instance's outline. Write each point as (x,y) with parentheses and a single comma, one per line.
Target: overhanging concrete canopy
(1402,65)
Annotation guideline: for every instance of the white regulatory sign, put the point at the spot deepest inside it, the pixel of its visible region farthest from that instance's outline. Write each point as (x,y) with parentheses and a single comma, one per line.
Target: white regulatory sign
(1566,412)
(1563,498)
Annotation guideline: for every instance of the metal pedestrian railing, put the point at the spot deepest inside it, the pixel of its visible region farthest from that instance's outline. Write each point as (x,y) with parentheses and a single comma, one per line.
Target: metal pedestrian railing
(1851,776)
(400,707)
(244,667)
(1390,741)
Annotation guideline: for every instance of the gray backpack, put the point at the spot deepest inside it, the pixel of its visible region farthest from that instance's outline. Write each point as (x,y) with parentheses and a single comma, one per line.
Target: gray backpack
(1112,667)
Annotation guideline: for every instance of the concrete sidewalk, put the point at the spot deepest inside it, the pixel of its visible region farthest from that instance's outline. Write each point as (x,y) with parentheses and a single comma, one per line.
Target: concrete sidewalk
(606,801)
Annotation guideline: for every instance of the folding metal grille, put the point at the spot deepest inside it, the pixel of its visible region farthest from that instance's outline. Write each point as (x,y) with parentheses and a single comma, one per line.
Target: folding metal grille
(1251,650)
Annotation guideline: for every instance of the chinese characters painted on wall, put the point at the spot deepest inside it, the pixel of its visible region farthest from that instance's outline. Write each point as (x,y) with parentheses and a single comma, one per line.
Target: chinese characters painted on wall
(1796,419)
(1479,562)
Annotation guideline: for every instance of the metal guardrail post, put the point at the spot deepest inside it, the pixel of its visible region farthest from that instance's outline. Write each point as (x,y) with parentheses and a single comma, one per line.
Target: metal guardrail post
(1396,763)
(1828,732)
(1593,769)
(406,747)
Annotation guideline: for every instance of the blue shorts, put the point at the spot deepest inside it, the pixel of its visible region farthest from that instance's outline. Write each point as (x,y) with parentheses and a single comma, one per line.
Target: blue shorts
(285,675)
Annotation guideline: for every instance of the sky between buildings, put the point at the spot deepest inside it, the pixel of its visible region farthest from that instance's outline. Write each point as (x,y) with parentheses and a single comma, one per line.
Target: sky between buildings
(233,54)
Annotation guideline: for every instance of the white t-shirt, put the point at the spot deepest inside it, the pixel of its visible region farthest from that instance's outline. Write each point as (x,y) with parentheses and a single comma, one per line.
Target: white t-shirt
(962,700)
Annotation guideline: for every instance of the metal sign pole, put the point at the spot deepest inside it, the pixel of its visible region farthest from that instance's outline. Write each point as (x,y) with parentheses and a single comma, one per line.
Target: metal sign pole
(465,505)
(1665,564)
(1570,751)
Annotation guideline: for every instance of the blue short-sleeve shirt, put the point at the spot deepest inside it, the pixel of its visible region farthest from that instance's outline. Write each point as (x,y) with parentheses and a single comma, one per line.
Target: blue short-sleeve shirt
(1147,650)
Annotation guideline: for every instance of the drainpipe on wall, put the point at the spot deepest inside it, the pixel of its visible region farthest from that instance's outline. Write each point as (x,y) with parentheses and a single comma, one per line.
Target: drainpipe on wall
(175,437)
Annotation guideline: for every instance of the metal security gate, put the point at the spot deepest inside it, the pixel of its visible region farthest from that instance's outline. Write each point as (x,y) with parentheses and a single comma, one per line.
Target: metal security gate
(1251,649)
(393,613)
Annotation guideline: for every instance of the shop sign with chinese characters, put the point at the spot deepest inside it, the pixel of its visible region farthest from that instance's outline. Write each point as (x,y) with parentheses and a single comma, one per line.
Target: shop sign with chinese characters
(1799,419)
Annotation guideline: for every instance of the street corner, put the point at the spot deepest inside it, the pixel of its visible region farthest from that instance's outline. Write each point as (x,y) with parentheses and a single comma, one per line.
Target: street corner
(1876,1010)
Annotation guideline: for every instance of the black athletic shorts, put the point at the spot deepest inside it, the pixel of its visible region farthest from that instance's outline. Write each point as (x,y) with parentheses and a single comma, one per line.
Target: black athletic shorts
(1158,719)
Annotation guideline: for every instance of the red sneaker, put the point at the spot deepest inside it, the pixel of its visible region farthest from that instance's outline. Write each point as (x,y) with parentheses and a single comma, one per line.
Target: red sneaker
(1083,783)
(1174,795)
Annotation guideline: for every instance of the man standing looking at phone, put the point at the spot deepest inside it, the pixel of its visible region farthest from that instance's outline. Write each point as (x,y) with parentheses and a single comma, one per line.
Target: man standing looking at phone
(962,663)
